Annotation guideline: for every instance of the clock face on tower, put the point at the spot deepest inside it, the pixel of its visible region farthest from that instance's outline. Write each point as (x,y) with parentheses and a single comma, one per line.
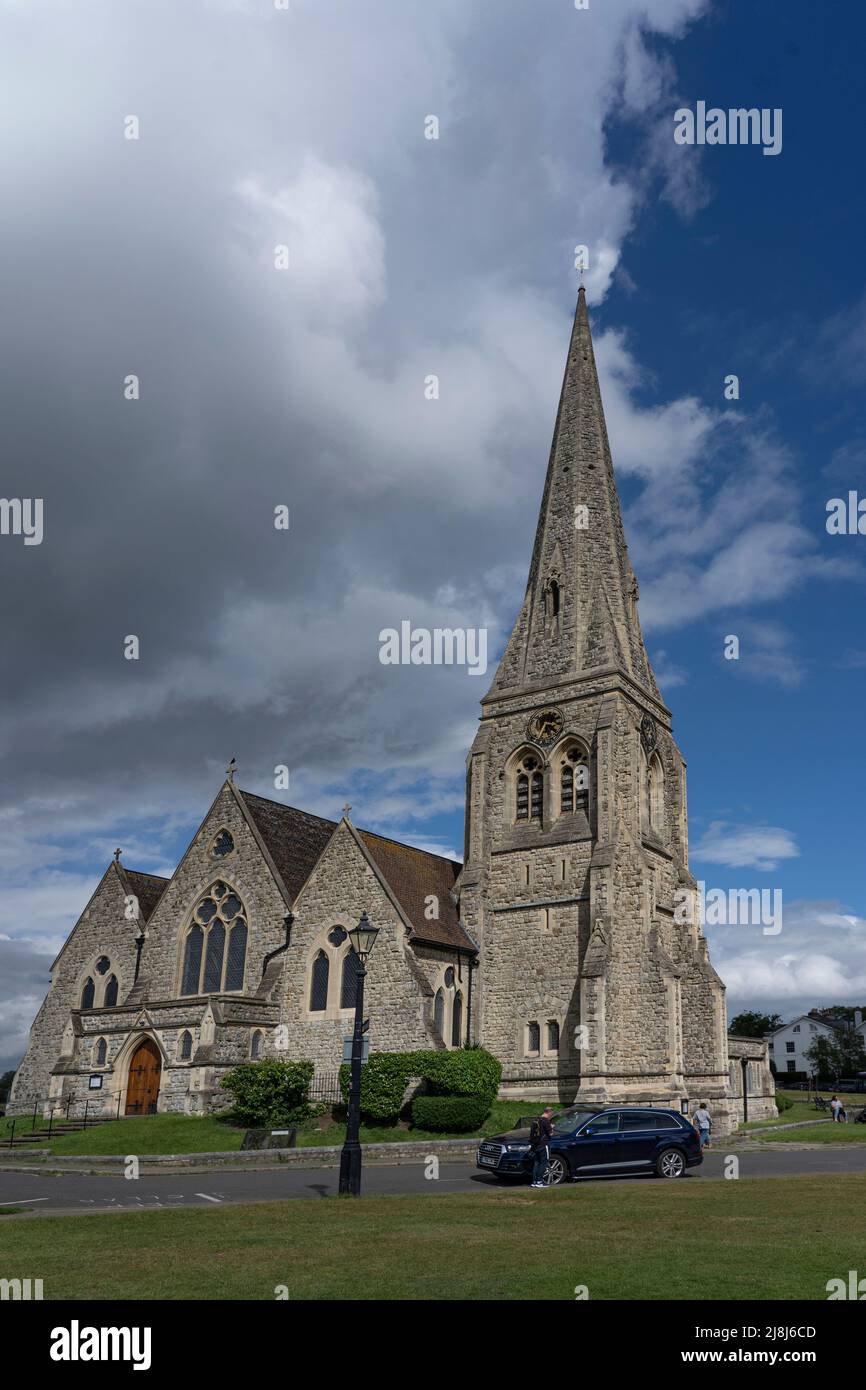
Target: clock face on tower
(546,726)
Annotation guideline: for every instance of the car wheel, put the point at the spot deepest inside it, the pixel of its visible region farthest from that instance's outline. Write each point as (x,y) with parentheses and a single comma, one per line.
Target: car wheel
(559,1170)
(670,1164)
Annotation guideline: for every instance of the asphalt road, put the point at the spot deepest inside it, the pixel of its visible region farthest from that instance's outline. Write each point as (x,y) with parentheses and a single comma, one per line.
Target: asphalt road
(79,1192)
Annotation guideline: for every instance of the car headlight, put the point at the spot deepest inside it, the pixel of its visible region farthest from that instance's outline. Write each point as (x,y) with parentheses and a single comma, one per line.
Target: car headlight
(518,1148)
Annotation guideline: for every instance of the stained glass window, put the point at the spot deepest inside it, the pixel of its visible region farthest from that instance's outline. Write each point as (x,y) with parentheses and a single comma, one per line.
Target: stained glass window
(237,954)
(101,1052)
(185,1046)
(216,944)
(319,983)
(456,1020)
(349,981)
(110,1000)
(103,965)
(222,845)
(87,994)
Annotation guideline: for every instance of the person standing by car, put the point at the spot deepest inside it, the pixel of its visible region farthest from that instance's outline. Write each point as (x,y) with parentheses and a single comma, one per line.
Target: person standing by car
(703,1124)
(540,1134)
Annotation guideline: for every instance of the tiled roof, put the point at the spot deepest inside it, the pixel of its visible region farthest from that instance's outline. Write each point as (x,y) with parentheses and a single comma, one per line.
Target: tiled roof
(148,888)
(413,875)
(295,841)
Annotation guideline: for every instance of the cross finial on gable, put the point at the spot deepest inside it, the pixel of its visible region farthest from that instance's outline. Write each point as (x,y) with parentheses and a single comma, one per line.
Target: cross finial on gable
(117,854)
(346,809)
(232,769)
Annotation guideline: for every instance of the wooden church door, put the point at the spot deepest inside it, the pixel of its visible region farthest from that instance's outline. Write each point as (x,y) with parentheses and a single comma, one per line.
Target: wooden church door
(144,1073)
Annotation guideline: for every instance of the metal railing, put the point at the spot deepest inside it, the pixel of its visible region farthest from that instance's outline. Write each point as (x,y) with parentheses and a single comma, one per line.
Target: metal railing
(61,1111)
(325,1088)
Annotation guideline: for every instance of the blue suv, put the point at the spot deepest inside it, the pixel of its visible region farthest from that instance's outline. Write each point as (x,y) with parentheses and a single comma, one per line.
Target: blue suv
(585,1142)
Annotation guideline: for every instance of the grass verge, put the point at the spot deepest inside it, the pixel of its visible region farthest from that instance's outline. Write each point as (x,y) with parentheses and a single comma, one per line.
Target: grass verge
(646,1240)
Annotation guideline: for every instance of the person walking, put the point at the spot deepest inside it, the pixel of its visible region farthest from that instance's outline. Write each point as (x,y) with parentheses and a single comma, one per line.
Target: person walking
(703,1123)
(540,1134)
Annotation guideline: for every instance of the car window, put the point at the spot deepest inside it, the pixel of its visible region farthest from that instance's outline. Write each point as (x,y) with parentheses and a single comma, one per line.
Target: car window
(667,1122)
(603,1124)
(569,1120)
(637,1119)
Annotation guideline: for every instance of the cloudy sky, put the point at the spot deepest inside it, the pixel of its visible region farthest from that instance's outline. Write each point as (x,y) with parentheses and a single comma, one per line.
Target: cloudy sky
(304,127)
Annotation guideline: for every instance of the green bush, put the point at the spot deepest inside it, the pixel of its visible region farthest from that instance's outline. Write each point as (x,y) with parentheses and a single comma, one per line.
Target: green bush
(464,1072)
(270,1092)
(383,1082)
(783,1103)
(450,1114)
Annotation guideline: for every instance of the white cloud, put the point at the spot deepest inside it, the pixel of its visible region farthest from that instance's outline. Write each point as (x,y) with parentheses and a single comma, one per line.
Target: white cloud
(745,846)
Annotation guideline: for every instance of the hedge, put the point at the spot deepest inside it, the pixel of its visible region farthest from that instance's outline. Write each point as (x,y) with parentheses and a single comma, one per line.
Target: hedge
(450,1114)
(384,1077)
(270,1092)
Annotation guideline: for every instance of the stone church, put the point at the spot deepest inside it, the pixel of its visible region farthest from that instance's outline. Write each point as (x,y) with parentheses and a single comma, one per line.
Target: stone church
(564,943)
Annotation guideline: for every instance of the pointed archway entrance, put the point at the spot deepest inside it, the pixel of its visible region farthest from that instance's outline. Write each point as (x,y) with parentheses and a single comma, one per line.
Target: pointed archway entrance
(142,1087)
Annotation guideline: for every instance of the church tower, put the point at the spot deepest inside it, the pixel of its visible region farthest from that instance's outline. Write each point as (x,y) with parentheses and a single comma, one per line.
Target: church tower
(595,980)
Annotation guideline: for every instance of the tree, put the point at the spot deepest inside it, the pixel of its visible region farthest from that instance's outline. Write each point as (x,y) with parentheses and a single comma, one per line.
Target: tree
(6,1085)
(825,1058)
(754,1025)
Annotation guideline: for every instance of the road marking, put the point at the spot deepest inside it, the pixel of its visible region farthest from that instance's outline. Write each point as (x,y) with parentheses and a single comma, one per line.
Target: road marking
(207,1198)
(15,1200)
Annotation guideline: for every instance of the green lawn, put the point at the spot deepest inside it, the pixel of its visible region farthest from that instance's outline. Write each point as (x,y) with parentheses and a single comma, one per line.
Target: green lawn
(650,1240)
(818,1134)
(178,1134)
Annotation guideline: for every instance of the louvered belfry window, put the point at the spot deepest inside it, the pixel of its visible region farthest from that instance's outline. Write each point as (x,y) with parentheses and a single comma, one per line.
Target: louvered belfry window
(215,950)
(574,782)
(529,790)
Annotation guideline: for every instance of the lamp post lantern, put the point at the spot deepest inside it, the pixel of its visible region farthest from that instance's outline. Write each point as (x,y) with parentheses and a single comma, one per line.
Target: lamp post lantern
(363,938)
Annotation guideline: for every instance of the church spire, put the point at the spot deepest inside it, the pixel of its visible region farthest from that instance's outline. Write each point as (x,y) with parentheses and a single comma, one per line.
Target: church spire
(580,609)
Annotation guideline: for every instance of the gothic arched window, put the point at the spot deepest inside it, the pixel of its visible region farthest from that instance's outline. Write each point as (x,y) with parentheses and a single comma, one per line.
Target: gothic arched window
(574,781)
(256,1046)
(349,980)
(319,983)
(215,949)
(101,1052)
(530,789)
(439,1012)
(185,1049)
(88,993)
(110,1000)
(533,1038)
(456,1020)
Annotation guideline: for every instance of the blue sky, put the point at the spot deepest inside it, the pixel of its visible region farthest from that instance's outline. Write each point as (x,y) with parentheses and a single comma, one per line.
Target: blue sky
(411,257)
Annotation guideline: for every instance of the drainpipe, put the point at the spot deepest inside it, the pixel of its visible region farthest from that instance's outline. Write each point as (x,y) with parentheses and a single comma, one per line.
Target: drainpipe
(139,942)
(287,922)
(744,1063)
(472,962)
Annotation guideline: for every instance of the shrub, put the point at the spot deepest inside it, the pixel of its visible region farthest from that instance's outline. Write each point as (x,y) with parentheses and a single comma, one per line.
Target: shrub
(464,1072)
(450,1114)
(467,1072)
(783,1102)
(383,1082)
(270,1092)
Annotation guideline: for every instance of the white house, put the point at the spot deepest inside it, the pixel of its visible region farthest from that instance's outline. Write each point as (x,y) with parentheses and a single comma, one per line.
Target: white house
(788,1045)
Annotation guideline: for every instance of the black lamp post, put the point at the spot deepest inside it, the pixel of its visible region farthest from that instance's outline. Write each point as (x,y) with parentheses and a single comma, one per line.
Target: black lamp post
(362,938)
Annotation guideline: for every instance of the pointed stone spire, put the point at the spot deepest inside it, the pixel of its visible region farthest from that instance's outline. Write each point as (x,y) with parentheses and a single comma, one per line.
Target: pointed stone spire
(580,609)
